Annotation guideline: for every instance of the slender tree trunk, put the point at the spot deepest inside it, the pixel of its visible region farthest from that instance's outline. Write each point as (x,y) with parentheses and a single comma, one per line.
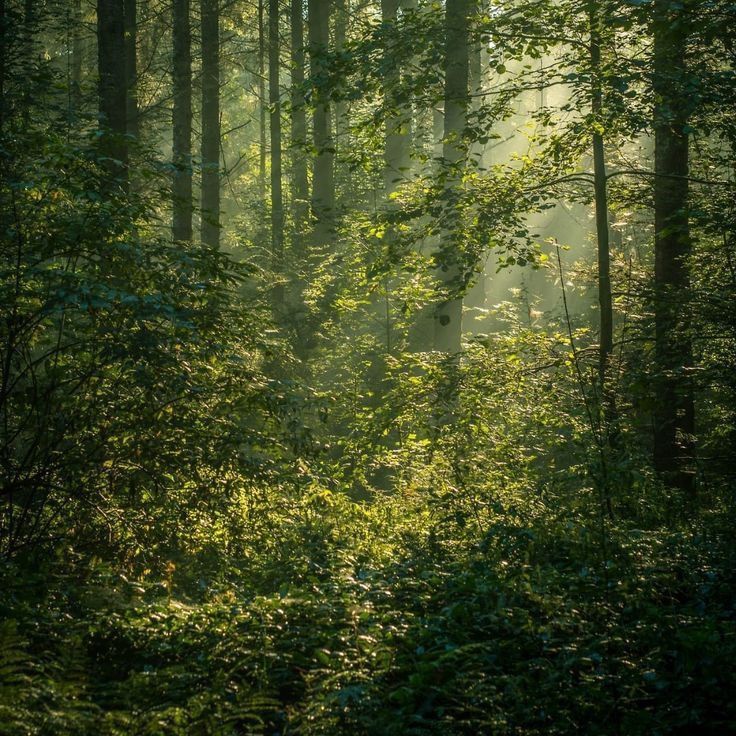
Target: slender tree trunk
(448,314)
(475,73)
(3,62)
(396,162)
(182,122)
(131,67)
(438,129)
(605,300)
(262,101)
(112,90)
(299,177)
(341,122)
(392,139)
(396,152)
(210,232)
(476,294)
(274,98)
(323,179)
(75,93)
(29,32)
(674,416)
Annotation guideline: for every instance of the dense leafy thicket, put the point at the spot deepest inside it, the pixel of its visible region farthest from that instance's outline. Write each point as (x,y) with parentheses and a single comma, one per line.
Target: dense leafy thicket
(248,485)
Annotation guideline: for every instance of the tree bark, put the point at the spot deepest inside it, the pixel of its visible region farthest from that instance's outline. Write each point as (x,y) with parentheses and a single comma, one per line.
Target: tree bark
(342,142)
(30,49)
(323,176)
(396,154)
(448,313)
(323,179)
(182,122)
(75,93)
(600,185)
(3,63)
(210,228)
(476,82)
(112,90)
(674,415)
(131,67)
(262,101)
(274,98)
(299,176)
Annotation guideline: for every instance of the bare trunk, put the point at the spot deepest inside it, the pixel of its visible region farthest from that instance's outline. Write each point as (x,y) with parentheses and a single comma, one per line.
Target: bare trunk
(674,416)
(262,102)
(323,180)
(274,97)
(210,229)
(75,93)
(299,180)
(112,90)
(182,122)
(131,67)
(3,62)
(601,200)
(397,147)
(342,124)
(448,313)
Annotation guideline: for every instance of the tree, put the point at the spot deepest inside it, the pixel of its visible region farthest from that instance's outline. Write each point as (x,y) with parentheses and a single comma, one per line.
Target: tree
(113,94)
(75,71)
(182,122)
(261,101)
(274,97)
(131,67)
(3,62)
(342,124)
(323,176)
(397,146)
(600,185)
(448,313)
(299,174)
(674,414)
(210,18)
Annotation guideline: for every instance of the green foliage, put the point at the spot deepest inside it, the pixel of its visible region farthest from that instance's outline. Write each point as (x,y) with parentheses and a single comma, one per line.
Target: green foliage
(107,374)
(380,620)
(480,592)
(210,527)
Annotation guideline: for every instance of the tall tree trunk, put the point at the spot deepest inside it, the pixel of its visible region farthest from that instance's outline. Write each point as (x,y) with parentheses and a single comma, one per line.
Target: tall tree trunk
(3,62)
(674,415)
(29,31)
(600,184)
(392,139)
(182,122)
(476,294)
(448,313)
(323,178)
(475,74)
(438,129)
(299,178)
(112,90)
(131,67)
(396,152)
(341,137)
(75,76)
(210,232)
(274,98)
(396,160)
(262,102)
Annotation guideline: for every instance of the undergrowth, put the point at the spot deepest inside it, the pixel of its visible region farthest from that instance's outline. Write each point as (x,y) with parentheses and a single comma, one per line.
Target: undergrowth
(369,621)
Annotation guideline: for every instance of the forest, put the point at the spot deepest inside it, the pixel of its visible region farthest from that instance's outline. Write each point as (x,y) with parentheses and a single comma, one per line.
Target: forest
(367,367)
